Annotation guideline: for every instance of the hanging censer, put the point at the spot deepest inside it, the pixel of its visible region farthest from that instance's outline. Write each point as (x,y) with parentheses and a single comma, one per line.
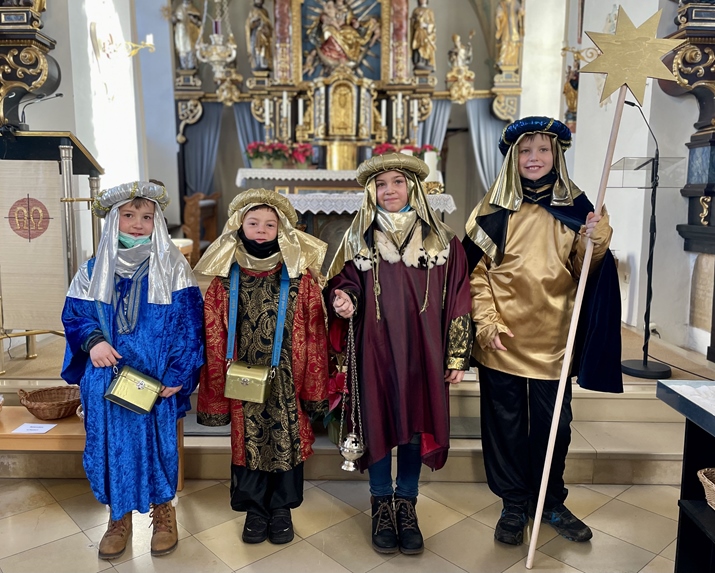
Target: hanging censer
(352,447)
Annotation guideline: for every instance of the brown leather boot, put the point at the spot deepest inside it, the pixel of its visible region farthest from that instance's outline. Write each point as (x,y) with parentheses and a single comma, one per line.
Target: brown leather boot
(115,539)
(166,535)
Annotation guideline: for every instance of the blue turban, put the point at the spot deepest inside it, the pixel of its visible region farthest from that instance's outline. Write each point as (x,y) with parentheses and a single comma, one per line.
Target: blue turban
(534,124)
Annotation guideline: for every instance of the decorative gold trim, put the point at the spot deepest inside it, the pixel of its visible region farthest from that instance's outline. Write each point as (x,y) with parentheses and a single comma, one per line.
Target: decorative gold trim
(691,54)
(341,155)
(29,56)
(296,28)
(506,106)
(189,112)
(705,204)
(386,49)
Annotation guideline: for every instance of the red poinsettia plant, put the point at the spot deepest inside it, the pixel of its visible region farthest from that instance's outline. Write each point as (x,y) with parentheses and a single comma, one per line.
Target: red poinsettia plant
(413,148)
(279,150)
(382,148)
(302,153)
(425,148)
(258,150)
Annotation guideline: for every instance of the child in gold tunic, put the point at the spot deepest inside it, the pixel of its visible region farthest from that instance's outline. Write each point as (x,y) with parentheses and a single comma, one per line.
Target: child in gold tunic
(526,242)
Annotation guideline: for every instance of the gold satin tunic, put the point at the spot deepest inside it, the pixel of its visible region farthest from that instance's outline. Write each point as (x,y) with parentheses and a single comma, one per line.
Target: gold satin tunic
(531,293)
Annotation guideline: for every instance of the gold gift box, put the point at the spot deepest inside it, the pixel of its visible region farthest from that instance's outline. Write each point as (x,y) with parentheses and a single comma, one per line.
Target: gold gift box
(248,382)
(133,390)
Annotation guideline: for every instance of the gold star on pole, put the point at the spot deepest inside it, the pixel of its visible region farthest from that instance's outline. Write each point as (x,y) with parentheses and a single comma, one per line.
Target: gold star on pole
(631,55)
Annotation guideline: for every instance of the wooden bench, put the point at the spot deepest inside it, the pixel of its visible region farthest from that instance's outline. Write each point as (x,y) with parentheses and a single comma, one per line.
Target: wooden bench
(67,436)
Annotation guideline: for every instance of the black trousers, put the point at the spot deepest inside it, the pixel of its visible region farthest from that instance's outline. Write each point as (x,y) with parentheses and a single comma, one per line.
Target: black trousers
(516,419)
(263,492)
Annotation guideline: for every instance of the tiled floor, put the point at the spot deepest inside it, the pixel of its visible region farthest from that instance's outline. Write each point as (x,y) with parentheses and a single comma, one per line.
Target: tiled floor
(55,526)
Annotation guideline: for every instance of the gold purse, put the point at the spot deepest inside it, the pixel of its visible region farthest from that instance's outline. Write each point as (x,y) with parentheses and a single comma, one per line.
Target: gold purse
(133,390)
(248,383)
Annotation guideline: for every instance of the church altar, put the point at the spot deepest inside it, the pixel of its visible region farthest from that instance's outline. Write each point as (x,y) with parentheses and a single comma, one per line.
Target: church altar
(324,176)
(349,202)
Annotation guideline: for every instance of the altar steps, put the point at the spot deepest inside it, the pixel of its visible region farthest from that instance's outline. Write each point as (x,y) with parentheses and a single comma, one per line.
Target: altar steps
(629,438)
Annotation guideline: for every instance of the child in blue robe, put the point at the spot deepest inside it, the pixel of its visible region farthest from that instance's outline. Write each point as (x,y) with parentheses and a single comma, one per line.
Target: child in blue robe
(135,303)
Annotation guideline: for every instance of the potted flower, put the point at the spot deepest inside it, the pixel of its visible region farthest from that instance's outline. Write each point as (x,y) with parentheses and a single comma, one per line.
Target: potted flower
(409,149)
(280,153)
(302,155)
(383,148)
(259,154)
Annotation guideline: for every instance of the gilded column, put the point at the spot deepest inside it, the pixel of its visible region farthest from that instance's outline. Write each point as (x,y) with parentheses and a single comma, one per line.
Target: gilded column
(400,21)
(282,21)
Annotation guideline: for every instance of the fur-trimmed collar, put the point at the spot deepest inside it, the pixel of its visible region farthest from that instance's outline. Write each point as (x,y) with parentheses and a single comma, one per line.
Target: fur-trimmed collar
(413,255)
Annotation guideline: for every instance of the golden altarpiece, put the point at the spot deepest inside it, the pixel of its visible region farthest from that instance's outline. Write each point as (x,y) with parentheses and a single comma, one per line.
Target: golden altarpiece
(341,75)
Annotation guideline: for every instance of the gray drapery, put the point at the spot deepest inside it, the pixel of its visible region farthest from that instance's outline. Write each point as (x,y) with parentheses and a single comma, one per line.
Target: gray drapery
(432,130)
(248,128)
(200,149)
(485,131)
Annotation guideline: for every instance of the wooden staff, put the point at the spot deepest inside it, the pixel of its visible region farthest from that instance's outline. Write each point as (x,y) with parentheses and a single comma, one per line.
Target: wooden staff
(566,367)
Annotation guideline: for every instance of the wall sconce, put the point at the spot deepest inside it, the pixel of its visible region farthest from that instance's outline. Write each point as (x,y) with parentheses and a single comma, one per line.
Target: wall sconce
(108,47)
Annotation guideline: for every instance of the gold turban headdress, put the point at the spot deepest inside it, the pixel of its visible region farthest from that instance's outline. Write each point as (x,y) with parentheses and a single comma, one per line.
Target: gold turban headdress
(299,251)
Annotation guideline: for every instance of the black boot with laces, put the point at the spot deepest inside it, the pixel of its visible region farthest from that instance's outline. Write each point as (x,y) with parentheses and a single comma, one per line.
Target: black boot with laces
(384,533)
(408,531)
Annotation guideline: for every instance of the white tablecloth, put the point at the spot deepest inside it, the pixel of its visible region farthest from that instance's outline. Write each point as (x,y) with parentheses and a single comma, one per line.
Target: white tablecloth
(245,174)
(349,202)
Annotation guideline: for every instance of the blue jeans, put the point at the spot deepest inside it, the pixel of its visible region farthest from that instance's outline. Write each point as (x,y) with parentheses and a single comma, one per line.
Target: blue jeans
(409,464)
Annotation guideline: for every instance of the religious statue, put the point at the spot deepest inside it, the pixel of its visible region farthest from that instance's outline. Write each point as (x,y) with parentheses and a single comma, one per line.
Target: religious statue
(424,37)
(571,95)
(460,78)
(509,34)
(259,37)
(187,28)
(460,56)
(340,36)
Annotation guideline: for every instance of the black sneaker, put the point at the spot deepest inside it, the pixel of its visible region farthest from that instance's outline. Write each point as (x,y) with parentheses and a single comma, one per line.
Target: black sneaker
(408,531)
(511,524)
(384,531)
(255,530)
(280,529)
(567,524)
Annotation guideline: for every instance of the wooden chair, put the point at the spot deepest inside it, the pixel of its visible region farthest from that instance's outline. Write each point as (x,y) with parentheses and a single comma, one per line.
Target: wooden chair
(200,218)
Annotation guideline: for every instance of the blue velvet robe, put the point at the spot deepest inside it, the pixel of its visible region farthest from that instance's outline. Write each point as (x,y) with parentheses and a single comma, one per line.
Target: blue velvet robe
(131,460)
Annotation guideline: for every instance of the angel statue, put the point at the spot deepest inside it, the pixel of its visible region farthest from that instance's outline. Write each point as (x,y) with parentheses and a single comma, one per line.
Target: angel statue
(259,37)
(187,27)
(460,56)
(424,37)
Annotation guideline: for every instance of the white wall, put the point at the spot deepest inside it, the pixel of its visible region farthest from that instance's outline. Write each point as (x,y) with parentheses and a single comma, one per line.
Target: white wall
(671,120)
(542,76)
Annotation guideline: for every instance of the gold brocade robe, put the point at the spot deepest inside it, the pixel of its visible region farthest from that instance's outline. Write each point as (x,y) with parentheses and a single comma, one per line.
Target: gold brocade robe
(276,435)
(531,293)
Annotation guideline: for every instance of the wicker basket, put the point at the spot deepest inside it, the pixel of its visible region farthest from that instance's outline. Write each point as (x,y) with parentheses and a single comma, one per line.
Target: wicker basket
(51,403)
(707,478)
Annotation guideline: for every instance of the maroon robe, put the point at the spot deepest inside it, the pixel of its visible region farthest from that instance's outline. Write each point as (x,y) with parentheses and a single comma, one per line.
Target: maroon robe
(402,357)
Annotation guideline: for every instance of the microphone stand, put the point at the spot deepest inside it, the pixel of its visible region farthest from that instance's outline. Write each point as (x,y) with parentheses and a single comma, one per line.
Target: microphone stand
(642,368)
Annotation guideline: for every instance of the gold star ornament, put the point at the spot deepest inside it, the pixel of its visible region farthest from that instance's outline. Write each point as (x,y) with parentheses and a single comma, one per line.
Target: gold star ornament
(631,55)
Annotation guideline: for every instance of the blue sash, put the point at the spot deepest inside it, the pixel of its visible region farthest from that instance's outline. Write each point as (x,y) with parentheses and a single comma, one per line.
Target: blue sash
(233,314)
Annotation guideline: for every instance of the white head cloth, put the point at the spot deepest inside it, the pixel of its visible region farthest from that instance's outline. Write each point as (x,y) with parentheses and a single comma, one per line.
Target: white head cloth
(169,270)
